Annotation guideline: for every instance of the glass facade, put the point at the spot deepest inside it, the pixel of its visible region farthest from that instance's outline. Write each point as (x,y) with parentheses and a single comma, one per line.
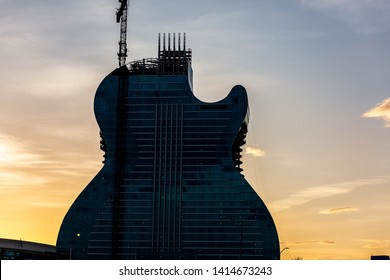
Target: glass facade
(171,186)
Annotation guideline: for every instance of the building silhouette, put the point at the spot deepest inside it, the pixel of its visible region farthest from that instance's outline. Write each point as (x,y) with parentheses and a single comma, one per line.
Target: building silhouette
(380,257)
(11,249)
(171,186)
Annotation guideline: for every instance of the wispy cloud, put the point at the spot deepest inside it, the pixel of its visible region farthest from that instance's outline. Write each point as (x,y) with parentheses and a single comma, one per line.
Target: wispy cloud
(14,158)
(364,16)
(11,150)
(375,243)
(381,111)
(49,205)
(23,165)
(310,242)
(255,152)
(338,210)
(309,194)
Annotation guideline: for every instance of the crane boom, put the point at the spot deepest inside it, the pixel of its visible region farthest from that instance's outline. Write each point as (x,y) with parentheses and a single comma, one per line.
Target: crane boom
(121,16)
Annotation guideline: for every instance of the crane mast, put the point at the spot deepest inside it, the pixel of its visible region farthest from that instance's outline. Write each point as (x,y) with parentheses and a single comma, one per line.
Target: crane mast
(121,16)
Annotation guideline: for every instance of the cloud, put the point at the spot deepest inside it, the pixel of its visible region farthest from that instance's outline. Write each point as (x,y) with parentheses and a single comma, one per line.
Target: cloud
(375,243)
(12,150)
(381,111)
(49,205)
(309,194)
(339,210)
(11,181)
(255,152)
(24,162)
(310,242)
(14,160)
(363,16)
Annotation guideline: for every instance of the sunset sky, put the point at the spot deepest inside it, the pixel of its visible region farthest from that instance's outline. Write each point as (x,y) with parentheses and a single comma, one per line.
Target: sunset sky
(317,74)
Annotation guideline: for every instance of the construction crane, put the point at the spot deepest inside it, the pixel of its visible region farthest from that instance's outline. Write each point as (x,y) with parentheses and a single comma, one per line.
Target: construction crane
(121,16)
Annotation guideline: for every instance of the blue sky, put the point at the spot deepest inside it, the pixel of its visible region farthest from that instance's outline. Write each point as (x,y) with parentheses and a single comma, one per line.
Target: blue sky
(317,74)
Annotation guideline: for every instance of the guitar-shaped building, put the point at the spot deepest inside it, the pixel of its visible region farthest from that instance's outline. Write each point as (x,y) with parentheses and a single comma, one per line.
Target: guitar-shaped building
(171,186)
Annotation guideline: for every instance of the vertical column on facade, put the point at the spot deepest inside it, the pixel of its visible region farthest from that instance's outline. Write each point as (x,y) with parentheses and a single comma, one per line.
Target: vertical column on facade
(154,213)
(159,178)
(175,197)
(181,175)
(119,168)
(165,175)
(170,183)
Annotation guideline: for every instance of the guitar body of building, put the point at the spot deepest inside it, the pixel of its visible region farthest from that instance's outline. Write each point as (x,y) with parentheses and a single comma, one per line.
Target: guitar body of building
(171,186)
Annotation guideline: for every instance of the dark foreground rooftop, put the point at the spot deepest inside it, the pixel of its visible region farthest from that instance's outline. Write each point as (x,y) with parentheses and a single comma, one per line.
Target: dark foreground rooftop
(11,249)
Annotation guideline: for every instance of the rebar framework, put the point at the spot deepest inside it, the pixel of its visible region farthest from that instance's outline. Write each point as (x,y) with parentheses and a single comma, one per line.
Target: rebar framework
(173,58)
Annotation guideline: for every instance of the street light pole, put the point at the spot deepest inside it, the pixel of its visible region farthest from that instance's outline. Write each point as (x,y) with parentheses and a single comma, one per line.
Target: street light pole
(71,245)
(285,248)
